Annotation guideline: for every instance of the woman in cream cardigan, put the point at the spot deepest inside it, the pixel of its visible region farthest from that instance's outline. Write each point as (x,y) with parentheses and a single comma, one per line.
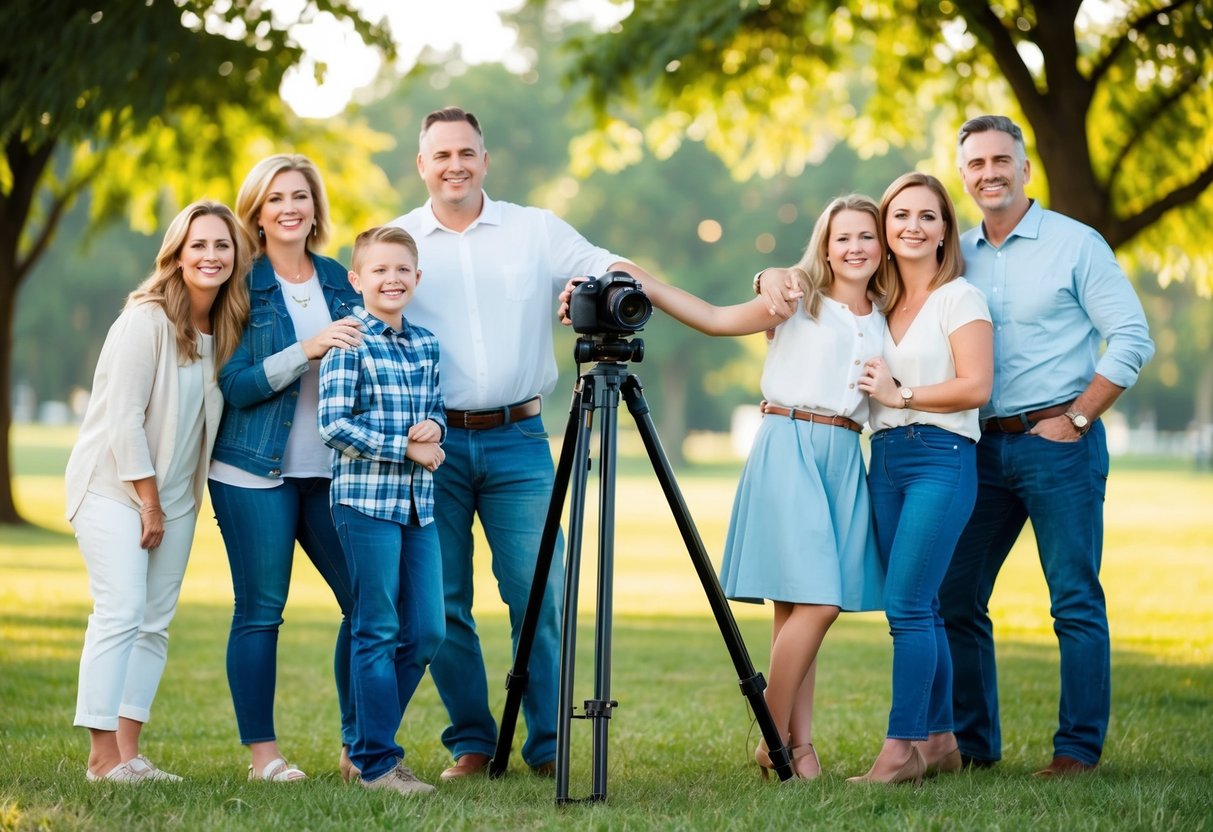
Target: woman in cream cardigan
(135,477)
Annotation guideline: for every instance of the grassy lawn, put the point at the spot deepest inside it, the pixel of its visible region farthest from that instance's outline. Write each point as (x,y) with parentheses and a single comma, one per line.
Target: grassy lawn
(681,739)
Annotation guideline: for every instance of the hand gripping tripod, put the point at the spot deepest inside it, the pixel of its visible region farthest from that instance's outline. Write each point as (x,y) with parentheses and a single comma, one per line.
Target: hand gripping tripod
(599,389)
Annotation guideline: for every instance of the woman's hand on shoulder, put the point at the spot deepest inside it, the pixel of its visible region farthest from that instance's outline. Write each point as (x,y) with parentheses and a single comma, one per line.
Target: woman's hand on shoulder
(343,334)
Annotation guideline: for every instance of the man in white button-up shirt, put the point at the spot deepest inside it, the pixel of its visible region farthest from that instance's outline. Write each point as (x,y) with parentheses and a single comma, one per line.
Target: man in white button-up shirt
(493,273)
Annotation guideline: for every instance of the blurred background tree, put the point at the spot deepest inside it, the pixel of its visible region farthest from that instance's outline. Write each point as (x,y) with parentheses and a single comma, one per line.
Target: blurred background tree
(703,168)
(145,106)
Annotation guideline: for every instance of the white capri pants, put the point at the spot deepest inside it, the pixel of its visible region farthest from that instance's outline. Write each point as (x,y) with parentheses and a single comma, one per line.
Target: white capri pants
(134,597)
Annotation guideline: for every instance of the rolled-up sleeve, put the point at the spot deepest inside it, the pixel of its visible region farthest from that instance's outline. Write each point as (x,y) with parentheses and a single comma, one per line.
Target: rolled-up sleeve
(1115,311)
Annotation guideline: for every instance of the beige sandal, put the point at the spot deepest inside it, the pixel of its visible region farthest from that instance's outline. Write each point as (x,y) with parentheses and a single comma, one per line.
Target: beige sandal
(277,770)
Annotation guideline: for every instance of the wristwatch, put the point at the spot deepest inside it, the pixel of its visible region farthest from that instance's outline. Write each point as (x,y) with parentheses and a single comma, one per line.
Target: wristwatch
(906,395)
(1081,423)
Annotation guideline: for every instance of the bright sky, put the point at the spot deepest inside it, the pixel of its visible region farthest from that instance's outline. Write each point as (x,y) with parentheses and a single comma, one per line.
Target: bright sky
(474,25)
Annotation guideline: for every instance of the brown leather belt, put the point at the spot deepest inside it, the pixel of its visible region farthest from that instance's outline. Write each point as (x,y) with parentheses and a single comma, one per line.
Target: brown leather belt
(1023,422)
(494,417)
(806,416)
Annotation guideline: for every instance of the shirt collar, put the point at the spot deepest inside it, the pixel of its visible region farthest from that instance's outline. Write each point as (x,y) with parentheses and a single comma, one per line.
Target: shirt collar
(1028,225)
(490,214)
(375,326)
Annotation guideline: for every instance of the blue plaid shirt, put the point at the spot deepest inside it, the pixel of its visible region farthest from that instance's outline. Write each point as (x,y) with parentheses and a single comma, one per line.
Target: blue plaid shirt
(369,398)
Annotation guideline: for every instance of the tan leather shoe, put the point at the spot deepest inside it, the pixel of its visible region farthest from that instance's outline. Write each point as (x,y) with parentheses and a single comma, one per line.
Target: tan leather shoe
(467,766)
(1063,766)
(349,771)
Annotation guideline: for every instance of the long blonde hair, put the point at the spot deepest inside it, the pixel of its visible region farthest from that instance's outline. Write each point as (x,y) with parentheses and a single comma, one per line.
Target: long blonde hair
(166,287)
(813,270)
(256,187)
(891,287)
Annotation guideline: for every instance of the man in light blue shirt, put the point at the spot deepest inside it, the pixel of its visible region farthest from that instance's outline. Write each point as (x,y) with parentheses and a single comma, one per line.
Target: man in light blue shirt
(1056,295)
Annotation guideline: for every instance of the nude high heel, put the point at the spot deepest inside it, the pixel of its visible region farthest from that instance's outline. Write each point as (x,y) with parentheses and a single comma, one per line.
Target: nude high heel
(947,764)
(911,771)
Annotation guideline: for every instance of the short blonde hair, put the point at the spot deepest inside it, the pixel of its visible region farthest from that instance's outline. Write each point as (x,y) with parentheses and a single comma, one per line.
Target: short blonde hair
(256,187)
(382,234)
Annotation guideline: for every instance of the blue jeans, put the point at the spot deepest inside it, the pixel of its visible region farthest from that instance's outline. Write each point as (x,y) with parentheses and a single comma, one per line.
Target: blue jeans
(1060,487)
(397,626)
(505,476)
(923,483)
(259,528)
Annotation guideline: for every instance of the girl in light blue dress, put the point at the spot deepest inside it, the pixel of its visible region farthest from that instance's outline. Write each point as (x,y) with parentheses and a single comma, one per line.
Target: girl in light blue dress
(800,532)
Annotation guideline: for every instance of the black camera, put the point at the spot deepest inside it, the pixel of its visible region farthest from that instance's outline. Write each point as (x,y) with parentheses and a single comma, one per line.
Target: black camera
(613,304)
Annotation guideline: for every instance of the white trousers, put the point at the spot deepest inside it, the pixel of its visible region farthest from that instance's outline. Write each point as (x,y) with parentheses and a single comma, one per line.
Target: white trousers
(134,597)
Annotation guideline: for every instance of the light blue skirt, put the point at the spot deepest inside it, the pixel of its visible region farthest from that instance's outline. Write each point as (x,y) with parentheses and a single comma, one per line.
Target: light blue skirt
(801,529)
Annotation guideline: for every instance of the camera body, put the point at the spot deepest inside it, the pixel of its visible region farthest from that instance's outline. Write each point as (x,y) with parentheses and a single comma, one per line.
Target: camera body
(613,304)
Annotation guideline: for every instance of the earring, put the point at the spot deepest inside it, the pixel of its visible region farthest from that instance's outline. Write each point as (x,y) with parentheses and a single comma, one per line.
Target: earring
(941,242)
(261,232)
(313,229)
(888,256)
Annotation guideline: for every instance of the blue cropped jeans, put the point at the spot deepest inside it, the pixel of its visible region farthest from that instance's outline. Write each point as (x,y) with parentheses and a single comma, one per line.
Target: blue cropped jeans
(260,527)
(504,475)
(1060,487)
(397,626)
(923,483)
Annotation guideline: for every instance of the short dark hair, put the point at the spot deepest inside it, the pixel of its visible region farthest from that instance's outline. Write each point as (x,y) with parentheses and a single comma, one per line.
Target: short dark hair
(450,114)
(984,124)
(382,234)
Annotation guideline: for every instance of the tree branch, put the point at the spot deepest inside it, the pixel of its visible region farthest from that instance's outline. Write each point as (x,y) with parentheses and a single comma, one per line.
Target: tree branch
(988,28)
(60,202)
(1128,228)
(1146,120)
(1140,22)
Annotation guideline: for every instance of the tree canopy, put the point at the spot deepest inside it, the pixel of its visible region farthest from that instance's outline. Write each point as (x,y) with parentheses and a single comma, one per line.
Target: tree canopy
(1118,96)
(149,104)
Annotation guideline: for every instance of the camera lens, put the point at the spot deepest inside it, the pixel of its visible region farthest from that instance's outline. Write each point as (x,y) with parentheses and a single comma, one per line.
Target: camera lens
(629,307)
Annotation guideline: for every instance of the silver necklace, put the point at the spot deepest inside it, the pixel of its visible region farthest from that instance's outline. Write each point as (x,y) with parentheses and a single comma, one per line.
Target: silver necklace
(303,301)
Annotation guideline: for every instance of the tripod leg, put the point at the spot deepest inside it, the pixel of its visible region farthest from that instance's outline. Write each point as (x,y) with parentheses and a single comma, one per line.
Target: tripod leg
(516,679)
(752,683)
(600,708)
(572,575)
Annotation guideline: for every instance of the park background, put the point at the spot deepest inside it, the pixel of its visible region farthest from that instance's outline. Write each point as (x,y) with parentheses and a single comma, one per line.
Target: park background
(700,139)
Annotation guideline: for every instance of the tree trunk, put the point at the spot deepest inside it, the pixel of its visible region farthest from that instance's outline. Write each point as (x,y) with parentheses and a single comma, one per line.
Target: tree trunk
(8,305)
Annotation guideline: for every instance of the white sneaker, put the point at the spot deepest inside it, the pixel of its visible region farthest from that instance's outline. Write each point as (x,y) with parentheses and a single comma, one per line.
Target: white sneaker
(400,779)
(146,769)
(121,773)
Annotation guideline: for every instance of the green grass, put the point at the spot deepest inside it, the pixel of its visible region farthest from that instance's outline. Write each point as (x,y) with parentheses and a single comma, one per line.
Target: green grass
(681,739)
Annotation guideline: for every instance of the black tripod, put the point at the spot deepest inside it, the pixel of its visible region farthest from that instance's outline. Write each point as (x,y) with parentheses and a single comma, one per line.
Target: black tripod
(600,389)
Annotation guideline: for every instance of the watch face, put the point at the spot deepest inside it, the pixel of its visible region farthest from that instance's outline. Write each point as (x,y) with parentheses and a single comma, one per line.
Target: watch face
(906,393)
(1080,420)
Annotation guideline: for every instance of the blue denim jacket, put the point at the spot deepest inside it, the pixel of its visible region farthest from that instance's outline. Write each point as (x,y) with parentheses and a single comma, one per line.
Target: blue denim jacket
(256,419)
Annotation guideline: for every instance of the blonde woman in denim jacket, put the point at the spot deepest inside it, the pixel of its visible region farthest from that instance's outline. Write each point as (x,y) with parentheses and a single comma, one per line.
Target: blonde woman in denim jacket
(270,474)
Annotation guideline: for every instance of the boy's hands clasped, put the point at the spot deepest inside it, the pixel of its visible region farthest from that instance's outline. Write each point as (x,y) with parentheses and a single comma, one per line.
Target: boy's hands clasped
(423,447)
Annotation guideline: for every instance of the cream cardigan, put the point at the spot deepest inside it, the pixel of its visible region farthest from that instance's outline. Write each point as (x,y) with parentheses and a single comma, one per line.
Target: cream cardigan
(130,427)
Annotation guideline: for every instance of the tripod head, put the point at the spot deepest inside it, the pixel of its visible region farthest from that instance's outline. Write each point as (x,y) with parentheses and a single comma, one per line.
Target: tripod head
(609,348)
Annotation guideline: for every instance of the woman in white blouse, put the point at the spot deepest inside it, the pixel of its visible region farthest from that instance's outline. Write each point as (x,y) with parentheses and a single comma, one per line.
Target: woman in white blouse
(800,533)
(135,477)
(936,370)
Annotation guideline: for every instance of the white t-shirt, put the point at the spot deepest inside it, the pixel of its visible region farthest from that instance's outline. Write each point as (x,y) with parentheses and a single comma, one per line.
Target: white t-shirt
(177,489)
(924,357)
(489,294)
(815,364)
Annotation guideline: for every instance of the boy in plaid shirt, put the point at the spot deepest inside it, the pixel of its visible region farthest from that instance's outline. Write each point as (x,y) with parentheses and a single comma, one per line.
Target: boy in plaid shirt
(381,410)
